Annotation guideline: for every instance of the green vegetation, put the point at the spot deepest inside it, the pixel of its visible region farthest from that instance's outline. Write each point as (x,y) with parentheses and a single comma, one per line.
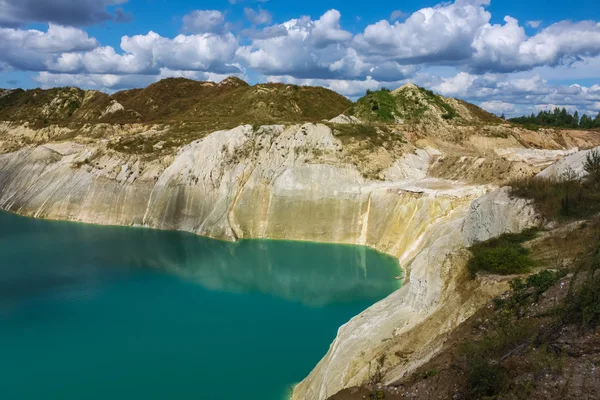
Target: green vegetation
(407,104)
(377,105)
(565,197)
(430,373)
(509,330)
(41,107)
(582,305)
(516,329)
(519,339)
(504,255)
(559,118)
(410,109)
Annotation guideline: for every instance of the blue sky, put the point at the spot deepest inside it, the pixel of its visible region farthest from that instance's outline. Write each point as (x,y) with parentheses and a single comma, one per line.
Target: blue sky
(508,56)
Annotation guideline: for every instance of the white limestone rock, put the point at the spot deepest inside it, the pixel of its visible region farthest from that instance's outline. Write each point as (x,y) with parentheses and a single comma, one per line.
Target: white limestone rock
(573,163)
(496,213)
(345,119)
(112,108)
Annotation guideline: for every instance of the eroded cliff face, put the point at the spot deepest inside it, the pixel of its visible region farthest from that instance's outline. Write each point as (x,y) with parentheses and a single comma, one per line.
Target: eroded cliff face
(274,182)
(403,331)
(295,182)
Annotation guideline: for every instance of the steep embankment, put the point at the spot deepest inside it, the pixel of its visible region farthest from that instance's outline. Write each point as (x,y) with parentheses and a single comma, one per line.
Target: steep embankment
(403,183)
(275,182)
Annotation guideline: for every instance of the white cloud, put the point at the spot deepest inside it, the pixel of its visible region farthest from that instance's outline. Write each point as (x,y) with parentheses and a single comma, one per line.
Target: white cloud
(436,34)
(525,94)
(33,49)
(320,49)
(106,82)
(301,48)
(147,54)
(507,48)
(498,107)
(460,33)
(260,17)
(533,24)
(204,21)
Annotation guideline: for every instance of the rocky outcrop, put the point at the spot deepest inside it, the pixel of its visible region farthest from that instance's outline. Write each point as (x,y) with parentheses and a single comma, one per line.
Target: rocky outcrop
(403,331)
(496,213)
(274,182)
(573,165)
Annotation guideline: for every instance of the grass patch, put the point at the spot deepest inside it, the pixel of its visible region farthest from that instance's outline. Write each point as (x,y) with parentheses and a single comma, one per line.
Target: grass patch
(503,255)
(377,105)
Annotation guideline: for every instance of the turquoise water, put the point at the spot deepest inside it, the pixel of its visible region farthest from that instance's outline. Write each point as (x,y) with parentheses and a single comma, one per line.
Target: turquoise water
(91,312)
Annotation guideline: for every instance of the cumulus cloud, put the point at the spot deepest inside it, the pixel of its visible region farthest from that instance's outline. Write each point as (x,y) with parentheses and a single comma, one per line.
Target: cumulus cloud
(147,54)
(33,49)
(460,33)
(302,48)
(442,33)
(506,48)
(62,12)
(533,24)
(204,21)
(525,94)
(315,49)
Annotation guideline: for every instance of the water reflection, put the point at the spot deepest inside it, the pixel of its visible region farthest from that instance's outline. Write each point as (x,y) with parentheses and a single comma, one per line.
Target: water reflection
(40,257)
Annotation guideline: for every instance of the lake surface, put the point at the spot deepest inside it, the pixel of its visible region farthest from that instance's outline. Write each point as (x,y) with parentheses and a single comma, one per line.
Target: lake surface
(92,312)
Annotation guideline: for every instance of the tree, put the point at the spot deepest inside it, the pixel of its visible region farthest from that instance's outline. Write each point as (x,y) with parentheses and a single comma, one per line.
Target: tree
(592,165)
(503,116)
(597,121)
(560,118)
(586,122)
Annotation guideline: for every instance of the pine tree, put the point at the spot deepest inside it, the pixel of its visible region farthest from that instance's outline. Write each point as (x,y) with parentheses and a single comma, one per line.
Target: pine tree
(575,121)
(586,122)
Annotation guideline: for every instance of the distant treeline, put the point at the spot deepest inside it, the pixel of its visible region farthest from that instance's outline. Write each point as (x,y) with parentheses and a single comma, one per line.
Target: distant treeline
(559,118)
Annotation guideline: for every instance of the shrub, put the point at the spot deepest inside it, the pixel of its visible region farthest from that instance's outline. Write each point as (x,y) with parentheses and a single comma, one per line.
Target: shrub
(583,302)
(485,379)
(544,280)
(503,255)
(377,105)
(560,198)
